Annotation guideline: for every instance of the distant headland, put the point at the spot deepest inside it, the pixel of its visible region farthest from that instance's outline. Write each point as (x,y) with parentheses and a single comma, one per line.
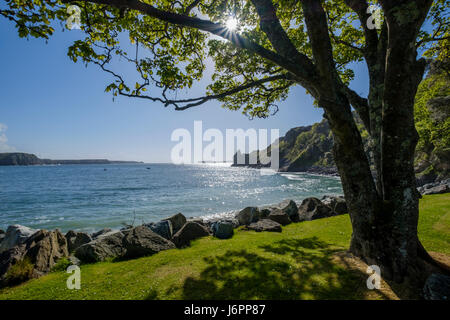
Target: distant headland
(28,159)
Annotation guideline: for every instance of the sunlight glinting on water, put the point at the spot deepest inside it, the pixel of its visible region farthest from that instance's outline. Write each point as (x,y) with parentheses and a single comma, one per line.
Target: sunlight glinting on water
(86,197)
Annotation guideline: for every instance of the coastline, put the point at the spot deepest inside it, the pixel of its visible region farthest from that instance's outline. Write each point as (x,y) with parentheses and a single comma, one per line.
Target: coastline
(115,203)
(134,241)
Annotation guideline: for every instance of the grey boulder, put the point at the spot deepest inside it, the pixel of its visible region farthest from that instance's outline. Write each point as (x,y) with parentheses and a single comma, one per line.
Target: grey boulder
(337,204)
(132,243)
(189,232)
(279,216)
(109,245)
(15,235)
(265,225)
(290,208)
(141,241)
(76,239)
(163,228)
(45,248)
(437,287)
(9,258)
(340,206)
(265,211)
(223,229)
(42,250)
(177,221)
(248,215)
(97,234)
(197,220)
(313,208)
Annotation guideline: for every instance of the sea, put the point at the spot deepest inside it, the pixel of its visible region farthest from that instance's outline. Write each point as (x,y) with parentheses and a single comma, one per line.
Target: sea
(92,197)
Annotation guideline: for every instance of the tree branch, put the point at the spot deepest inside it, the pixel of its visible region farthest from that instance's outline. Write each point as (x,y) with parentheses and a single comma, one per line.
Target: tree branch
(360,104)
(278,37)
(193,102)
(317,27)
(360,7)
(345,43)
(191,6)
(204,25)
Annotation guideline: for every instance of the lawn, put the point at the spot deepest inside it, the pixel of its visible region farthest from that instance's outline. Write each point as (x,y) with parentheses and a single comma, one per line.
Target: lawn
(305,261)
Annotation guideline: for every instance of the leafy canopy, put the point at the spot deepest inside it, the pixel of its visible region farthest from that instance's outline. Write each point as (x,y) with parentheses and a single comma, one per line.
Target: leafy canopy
(167,58)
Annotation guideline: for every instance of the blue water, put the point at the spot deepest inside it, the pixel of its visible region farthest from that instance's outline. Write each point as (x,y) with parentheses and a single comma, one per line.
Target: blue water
(88,197)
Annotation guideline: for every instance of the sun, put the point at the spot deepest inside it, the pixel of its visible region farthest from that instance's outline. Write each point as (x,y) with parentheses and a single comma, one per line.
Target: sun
(231,23)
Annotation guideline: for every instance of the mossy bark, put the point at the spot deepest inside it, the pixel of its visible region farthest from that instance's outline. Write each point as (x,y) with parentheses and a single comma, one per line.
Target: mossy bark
(384,212)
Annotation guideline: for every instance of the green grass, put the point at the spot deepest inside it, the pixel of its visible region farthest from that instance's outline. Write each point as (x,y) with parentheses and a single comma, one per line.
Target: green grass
(298,263)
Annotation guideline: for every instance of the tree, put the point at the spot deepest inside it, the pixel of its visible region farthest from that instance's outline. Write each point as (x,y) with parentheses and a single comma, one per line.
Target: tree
(279,44)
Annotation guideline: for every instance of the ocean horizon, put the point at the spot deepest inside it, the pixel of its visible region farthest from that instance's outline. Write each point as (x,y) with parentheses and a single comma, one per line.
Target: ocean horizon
(91,197)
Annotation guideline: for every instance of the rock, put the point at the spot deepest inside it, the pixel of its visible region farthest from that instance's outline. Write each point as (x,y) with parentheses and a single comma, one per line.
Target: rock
(126,227)
(279,216)
(437,287)
(223,229)
(197,220)
(248,215)
(141,241)
(109,245)
(2,235)
(210,223)
(265,225)
(19,158)
(313,208)
(38,254)
(177,221)
(327,200)
(340,207)
(8,258)
(287,206)
(45,248)
(15,235)
(76,239)
(95,235)
(234,221)
(162,228)
(443,188)
(190,231)
(337,204)
(290,208)
(132,243)
(264,212)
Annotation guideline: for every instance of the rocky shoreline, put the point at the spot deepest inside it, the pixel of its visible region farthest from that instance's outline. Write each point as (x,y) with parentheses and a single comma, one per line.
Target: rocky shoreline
(423,186)
(27,253)
(42,249)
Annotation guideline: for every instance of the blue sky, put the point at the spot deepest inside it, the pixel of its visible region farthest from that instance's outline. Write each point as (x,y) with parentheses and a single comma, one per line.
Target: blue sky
(58,109)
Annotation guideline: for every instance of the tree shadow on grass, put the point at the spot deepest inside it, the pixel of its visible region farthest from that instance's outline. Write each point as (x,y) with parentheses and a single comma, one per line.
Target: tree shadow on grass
(288,269)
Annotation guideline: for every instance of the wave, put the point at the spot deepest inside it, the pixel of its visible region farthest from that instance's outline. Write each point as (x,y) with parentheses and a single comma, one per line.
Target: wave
(291,176)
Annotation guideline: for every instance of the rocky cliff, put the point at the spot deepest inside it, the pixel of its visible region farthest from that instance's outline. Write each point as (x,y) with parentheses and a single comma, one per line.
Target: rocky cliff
(308,149)
(27,159)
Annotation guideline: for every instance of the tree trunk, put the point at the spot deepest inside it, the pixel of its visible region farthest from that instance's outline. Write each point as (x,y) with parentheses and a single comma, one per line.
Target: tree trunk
(384,215)
(384,229)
